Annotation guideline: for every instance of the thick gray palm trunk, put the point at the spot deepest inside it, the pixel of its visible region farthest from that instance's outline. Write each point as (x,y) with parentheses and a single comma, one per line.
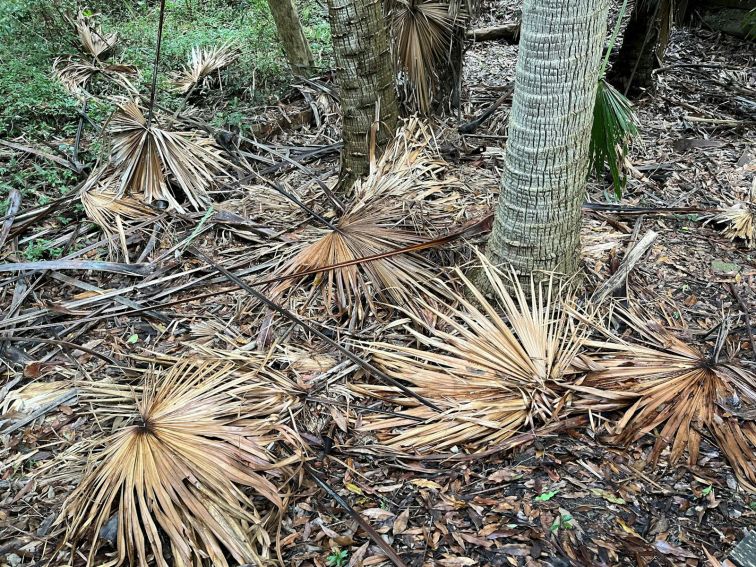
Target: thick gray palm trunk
(365,77)
(292,37)
(537,222)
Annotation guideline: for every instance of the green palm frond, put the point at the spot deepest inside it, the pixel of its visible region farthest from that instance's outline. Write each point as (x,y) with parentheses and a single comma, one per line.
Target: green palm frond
(615,124)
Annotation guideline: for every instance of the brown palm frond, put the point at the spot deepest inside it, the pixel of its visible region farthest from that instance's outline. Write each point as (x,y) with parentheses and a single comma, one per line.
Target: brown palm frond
(113,212)
(203,62)
(493,367)
(675,387)
(740,222)
(75,74)
(174,464)
(94,42)
(423,32)
(391,209)
(144,159)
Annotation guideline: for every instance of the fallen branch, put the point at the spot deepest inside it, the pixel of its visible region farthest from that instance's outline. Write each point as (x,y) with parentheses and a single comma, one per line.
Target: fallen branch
(508,32)
(628,263)
(76,167)
(41,411)
(473,125)
(14,203)
(114,267)
(746,314)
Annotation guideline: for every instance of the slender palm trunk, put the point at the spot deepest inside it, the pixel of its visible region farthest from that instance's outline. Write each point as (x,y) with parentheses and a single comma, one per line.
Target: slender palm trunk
(643,45)
(537,222)
(292,37)
(366,81)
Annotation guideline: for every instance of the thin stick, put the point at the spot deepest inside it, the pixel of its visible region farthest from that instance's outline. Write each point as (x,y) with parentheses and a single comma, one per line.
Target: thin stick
(631,258)
(322,336)
(370,530)
(747,314)
(153,90)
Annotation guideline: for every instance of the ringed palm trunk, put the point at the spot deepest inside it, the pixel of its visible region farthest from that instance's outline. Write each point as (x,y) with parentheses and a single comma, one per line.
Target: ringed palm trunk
(292,36)
(537,222)
(365,77)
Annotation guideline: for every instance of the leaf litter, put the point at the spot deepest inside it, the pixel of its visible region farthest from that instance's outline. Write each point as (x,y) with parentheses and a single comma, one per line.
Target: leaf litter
(602,468)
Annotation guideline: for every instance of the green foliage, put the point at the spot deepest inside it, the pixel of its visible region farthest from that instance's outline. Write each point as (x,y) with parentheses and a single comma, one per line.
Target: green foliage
(337,558)
(614,125)
(749,24)
(41,249)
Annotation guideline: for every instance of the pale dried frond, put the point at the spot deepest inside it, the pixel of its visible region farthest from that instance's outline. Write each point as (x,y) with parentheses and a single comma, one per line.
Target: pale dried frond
(400,204)
(492,366)
(674,387)
(112,212)
(203,62)
(146,159)
(175,464)
(75,74)
(740,222)
(96,43)
(423,31)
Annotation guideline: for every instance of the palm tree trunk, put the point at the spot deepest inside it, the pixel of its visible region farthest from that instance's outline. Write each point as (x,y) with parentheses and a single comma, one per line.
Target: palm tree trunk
(366,81)
(292,37)
(643,45)
(537,222)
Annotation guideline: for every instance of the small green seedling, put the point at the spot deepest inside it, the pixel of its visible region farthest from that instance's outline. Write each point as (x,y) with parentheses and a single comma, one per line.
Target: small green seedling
(337,558)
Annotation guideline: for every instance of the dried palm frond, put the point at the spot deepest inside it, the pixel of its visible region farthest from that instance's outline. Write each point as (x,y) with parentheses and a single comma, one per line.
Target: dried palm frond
(112,212)
(202,63)
(172,465)
(93,40)
(387,212)
(423,31)
(145,158)
(674,386)
(739,221)
(492,366)
(75,74)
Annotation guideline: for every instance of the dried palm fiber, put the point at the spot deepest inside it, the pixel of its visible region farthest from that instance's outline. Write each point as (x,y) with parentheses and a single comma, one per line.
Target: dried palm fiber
(113,213)
(180,462)
(404,201)
(95,43)
(739,222)
(145,159)
(423,32)
(203,62)
(74,74)
(494,366)
(673,386)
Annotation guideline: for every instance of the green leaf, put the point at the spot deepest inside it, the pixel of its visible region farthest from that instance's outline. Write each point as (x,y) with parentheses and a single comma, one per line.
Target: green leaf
(546,496)
(707,490)
(608,496)
(132,339)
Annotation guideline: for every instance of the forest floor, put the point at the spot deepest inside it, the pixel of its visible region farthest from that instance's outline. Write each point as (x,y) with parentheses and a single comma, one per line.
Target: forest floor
(563,498)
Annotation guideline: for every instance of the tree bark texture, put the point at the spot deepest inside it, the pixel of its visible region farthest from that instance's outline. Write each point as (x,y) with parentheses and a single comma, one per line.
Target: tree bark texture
(643,45)
(292,37)
(365,77)
(537,222)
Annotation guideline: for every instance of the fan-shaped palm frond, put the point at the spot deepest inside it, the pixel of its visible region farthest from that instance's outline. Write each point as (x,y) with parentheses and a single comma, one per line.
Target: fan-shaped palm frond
(422,31)
(112,212)
(173,469)
(386,213)
(93,40)
(202,63)
(740,222)
(74,74)
(614,125)
(144,159)
(673,386)
(492,366)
